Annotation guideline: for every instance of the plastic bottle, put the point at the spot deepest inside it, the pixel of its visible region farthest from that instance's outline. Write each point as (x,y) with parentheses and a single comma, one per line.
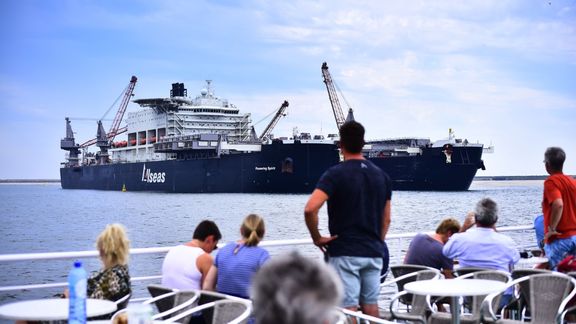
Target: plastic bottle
(77,292)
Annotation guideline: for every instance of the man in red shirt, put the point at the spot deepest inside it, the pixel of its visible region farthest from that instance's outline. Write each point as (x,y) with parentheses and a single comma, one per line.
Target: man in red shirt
(559,208)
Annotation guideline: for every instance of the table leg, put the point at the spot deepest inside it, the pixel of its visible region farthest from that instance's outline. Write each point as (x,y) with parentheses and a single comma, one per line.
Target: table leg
(455,310)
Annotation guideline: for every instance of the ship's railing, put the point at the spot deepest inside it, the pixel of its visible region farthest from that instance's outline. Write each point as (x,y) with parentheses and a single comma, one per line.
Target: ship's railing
(397,245)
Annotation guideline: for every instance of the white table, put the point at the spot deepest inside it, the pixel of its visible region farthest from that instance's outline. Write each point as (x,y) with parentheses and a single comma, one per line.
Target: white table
(454,288)
(52,309)
(529,263)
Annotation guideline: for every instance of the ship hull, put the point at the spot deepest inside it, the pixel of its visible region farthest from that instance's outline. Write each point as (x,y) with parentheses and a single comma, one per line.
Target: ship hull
(430,170)
(277,168)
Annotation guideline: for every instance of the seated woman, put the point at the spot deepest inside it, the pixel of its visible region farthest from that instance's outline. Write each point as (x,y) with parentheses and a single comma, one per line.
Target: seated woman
(113,281)
(237,262)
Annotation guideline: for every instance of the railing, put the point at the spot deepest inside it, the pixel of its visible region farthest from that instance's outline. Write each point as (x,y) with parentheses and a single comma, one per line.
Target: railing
(397,245)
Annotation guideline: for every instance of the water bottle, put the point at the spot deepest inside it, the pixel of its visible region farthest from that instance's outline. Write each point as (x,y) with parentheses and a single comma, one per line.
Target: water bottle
(77,293)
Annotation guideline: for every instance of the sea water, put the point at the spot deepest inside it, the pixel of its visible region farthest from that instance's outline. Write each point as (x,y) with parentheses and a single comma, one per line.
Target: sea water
(46,218)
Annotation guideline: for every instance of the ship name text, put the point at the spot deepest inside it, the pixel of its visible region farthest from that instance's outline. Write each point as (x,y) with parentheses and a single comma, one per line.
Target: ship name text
(265,168)
(152,177)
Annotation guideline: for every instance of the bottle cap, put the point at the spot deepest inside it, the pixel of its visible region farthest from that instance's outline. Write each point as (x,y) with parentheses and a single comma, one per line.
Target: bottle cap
(77,264)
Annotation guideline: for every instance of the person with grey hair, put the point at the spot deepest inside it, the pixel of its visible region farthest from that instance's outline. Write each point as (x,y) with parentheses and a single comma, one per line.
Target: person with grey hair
(559,208)
(482,246)
(292,289)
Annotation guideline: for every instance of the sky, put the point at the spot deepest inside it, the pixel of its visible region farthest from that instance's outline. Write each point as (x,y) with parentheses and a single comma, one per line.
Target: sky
(501,73)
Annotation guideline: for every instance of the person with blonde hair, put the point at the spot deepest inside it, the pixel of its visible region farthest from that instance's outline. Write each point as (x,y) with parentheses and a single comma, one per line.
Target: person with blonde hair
(112,282)
(237,262)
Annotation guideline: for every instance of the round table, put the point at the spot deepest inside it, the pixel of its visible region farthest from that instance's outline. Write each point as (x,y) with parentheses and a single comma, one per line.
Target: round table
(52,309)
(529,263)
(454,288)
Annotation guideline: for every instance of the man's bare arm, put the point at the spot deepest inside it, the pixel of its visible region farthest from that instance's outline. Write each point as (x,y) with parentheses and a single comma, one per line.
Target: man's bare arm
(386,219)
(313,205)
(556,208)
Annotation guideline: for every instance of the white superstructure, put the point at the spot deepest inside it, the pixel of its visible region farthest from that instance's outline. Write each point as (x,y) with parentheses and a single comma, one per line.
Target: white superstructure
(178,117)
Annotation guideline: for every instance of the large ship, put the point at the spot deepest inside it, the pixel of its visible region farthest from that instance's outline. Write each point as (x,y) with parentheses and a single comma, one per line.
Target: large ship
(194,145)
(205,145)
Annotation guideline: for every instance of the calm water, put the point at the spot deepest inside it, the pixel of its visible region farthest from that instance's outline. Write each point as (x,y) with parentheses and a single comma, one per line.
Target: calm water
(45,218)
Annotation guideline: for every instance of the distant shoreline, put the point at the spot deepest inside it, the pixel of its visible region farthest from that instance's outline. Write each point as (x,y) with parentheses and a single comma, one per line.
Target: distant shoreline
(508,178)
(477,178)
(29,181)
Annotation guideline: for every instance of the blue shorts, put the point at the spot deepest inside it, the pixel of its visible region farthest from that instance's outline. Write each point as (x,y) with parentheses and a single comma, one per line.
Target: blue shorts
(559,249)
(360,277)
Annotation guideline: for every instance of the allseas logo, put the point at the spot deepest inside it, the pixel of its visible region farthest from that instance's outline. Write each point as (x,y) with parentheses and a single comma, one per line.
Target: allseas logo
(152,177)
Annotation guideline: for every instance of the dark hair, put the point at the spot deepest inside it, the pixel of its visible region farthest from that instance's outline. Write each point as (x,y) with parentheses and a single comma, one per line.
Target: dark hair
(555,157)
(486,212)
(352,136)
(206,228)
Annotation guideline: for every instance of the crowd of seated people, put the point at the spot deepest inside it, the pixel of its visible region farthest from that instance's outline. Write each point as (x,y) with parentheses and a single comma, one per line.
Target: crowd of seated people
(245,270)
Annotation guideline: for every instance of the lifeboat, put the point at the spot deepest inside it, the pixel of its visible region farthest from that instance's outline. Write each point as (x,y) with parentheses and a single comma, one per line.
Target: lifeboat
(153,139)
(132,142)
(142,141)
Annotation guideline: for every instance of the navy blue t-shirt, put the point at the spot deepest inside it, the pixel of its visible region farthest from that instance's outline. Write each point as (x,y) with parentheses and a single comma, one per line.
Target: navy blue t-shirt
(357,193)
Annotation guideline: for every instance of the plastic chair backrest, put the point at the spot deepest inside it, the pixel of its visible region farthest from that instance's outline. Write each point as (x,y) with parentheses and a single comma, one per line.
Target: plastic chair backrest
(549,293)
(401,270)
(495,275)
(225,311)
(461,271)
(163,304)
(524,286)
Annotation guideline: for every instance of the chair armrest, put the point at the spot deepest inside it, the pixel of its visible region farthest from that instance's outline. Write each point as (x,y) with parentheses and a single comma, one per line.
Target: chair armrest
(190,312)
(157,298)
(486,306)
(406,316)
(566,311)
(408,275)
(182,306)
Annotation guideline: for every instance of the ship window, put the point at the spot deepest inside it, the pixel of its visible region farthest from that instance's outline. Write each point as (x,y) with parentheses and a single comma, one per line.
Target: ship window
(287,165)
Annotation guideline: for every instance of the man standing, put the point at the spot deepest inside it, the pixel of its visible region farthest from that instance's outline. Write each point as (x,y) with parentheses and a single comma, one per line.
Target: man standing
(559,208)
(186,266)
(358,195)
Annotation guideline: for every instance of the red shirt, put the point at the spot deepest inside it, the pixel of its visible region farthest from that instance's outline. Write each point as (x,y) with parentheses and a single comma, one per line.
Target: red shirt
(564,187)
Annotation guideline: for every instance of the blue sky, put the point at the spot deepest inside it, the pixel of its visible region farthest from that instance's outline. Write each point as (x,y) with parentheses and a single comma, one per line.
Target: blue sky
(497,72)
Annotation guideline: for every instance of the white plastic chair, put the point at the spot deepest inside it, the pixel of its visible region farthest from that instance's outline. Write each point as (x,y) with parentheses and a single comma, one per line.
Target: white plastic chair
(225,311)
(183,306)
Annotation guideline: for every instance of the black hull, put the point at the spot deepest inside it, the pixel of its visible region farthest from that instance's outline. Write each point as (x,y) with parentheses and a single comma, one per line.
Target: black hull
(269,171)
(278,168)
(430,171)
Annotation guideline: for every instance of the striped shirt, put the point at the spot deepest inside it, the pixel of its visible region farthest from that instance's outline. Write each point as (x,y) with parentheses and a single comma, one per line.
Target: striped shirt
(236,264)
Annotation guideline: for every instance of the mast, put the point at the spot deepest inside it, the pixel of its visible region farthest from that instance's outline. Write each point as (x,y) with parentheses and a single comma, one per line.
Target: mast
(280,113)
(333,96)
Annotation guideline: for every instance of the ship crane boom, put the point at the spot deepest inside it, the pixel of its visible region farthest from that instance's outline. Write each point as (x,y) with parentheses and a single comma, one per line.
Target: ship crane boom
(333,96)
(281,112)
(115,127)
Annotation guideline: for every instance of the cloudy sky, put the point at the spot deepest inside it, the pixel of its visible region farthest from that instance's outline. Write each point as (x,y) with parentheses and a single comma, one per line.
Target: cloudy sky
(496,72)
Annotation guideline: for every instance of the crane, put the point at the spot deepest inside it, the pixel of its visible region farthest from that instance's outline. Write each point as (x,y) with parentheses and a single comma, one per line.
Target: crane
(333,96)
(279,113)
(115,127)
